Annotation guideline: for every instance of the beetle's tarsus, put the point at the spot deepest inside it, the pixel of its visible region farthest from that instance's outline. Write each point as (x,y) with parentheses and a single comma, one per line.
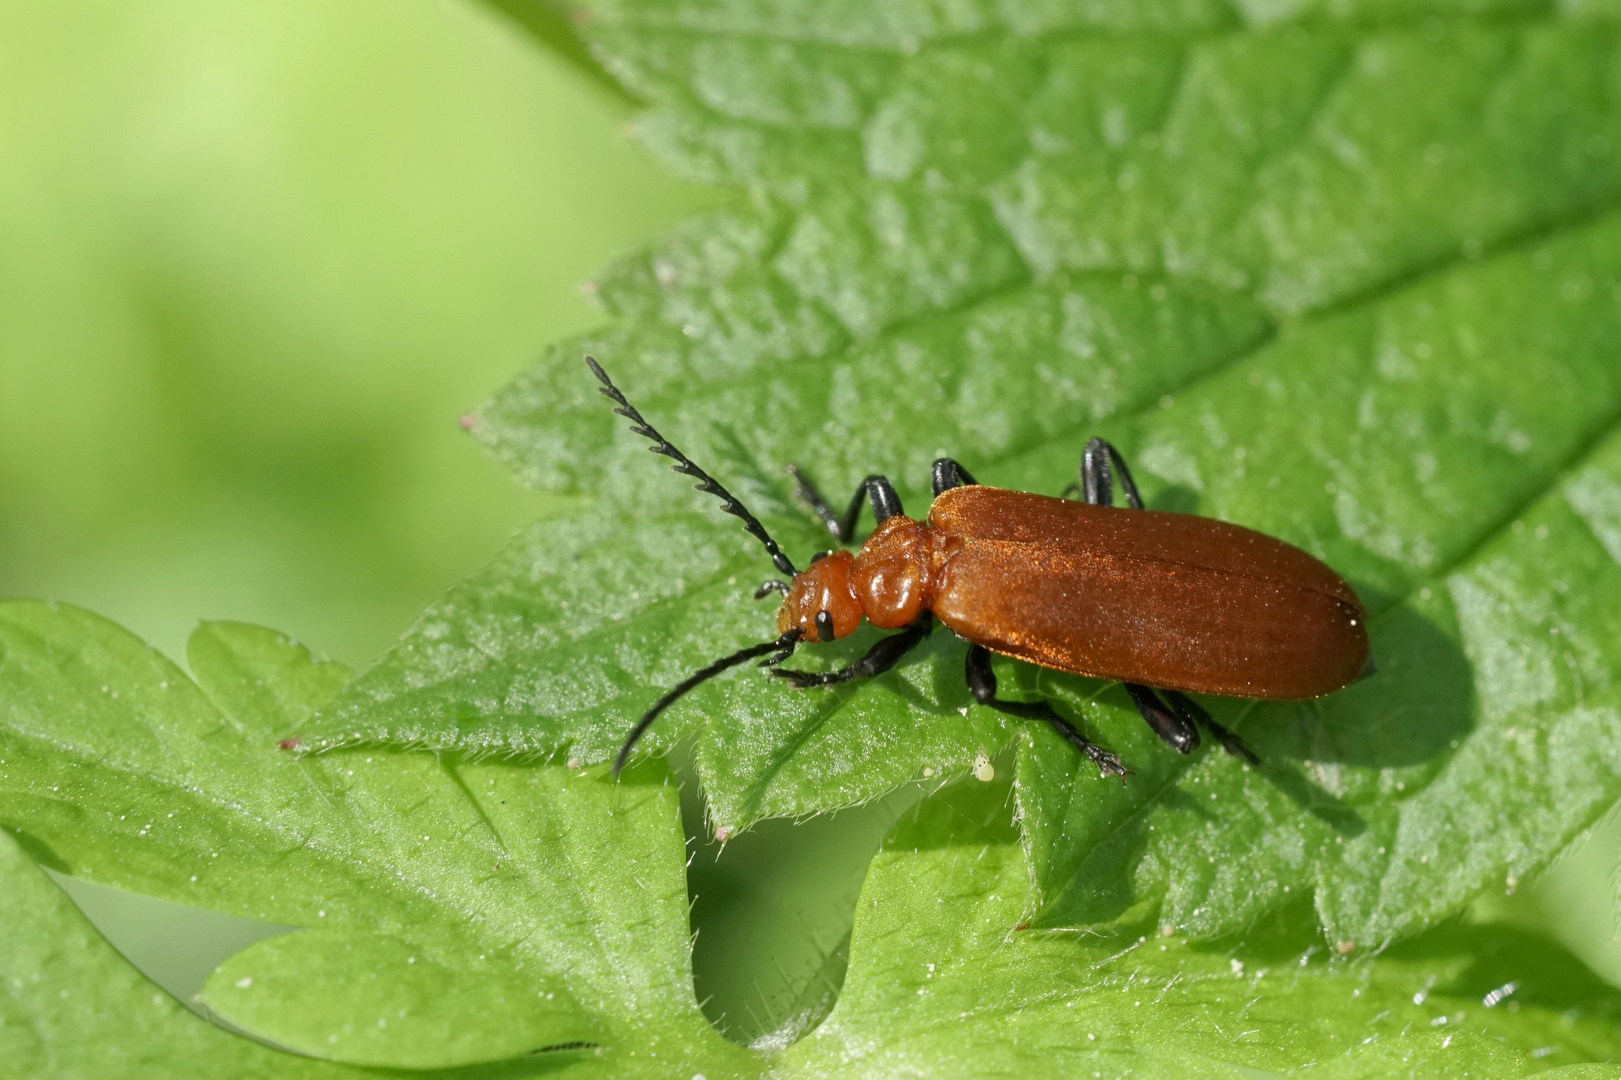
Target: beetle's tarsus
(982,684)
(778,657)
(1108,764)
(885,654)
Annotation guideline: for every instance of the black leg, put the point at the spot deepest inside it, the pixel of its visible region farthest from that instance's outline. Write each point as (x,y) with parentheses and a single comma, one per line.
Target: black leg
(1194,712)
(1170,725)
(1097,486)
(982,684)
(885,503)
(879,659)
(948,474)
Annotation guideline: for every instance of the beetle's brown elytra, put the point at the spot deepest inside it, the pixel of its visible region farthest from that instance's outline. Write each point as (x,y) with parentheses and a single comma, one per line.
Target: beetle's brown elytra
(1172,601)
(1168,604)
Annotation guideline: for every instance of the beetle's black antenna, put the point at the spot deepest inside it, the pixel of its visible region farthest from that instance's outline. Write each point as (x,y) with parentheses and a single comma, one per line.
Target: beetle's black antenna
(685,466)
(784,646)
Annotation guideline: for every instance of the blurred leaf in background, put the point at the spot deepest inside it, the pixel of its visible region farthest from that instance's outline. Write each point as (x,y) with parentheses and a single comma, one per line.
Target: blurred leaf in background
(255,258)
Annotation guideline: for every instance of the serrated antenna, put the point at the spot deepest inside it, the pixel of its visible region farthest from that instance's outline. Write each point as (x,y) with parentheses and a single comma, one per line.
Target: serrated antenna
(685,466)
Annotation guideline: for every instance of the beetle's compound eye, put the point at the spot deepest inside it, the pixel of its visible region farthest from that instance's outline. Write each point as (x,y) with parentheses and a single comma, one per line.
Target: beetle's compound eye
(824,626)
(820,555)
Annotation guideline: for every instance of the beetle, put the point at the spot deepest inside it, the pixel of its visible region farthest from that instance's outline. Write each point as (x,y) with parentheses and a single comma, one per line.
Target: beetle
(1167,604)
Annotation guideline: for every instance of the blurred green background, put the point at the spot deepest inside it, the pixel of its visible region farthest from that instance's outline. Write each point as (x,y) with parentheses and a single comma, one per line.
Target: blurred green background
(255,259)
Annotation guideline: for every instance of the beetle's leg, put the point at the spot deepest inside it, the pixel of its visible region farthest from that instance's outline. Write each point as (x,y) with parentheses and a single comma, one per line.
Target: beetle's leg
(779,656)
(982,684)
(1195,712)
(879,659)
(1097,485)
(948,474)
(809,492)
(768,587)
(1172,725)
(878,489)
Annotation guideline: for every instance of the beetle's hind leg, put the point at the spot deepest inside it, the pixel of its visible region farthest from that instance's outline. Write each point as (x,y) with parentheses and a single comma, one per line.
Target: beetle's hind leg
(1097,479)
(1177,720)
(1194,712)
(982,684)
(875,489)
(879,659)
(1170,724)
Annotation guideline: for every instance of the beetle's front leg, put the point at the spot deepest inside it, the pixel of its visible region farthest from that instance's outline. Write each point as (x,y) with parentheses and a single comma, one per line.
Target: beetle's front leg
(879,659)
(875,488)
(982,684)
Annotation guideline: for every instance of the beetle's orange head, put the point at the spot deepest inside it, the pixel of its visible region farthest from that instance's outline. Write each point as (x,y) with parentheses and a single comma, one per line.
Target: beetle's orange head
(820,602)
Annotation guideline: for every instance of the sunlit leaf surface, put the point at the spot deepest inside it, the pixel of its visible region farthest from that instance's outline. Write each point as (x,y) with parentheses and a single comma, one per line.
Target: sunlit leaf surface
(460,918)
(547,907)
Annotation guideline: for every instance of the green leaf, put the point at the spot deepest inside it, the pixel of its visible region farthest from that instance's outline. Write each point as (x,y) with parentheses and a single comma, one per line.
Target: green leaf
(263,681)
(117,768)
(1492,718)
(942,984)
(1347,274)
(942,981)
(72,1007)
(335,993)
